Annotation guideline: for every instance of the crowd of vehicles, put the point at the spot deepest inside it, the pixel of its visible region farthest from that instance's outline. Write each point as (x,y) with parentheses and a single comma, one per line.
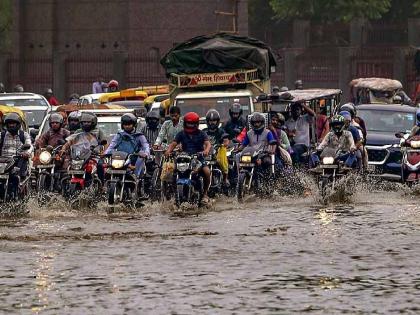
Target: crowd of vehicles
(198,83)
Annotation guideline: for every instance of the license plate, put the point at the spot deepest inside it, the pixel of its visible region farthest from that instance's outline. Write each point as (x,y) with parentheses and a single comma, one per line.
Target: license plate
(371,168)
(246,164)
(116,171)
(45,166)
(76,172)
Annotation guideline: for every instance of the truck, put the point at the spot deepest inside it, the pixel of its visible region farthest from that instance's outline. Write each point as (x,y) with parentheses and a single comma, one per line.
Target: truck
(215,71)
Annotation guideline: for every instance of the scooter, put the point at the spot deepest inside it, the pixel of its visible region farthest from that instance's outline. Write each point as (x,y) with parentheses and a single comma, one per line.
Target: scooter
(410,165)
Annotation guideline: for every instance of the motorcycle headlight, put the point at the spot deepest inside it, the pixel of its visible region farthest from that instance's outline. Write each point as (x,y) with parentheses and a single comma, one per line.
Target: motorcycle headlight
(328,160)
(77,165)
(117,163)
(182,167)
(246,159)
(45,157)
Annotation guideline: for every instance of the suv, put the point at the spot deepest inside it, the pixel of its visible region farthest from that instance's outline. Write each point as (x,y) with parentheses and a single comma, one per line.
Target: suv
(383,147)
(34,106)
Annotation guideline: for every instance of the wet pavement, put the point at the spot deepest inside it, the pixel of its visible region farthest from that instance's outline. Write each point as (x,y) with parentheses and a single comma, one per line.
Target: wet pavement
(282,256)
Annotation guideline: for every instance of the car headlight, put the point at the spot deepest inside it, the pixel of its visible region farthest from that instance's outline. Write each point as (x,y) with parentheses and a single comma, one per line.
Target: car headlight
(182,167)
(45,157)
(246,159)
(117,164)
(328,160)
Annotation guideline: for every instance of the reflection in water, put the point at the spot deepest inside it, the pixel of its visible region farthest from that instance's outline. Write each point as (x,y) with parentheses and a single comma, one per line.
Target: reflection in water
(280,256)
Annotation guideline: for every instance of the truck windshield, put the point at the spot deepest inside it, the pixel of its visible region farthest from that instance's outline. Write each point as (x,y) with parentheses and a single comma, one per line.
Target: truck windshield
(221,104)
(387,121)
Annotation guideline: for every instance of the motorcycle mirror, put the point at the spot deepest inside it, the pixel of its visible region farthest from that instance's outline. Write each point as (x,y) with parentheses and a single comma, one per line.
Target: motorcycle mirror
(104,142)
(33,133)
(49,148)
(399,135)
(25,147)
(61,142)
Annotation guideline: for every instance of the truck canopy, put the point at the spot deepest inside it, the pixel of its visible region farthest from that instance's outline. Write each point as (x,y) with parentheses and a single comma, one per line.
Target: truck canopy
(219,53)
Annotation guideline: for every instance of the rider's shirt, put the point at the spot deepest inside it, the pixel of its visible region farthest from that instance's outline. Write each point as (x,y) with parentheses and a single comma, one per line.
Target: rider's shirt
(357,136)
(52,138)
(281,138)
(234,127)
(169,131)
(215,137)
(302,126)
(415,131)
(129,143)
(345,143)
(150,134)
(192,143)
(12,144)
(258,141)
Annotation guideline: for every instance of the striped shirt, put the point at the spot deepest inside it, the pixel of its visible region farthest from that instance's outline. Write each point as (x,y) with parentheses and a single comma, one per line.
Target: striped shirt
(12,144)
(150,134)
(168,131)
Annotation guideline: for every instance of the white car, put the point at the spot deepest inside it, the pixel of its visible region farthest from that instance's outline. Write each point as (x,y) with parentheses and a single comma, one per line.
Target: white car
(35,106)
(89,99)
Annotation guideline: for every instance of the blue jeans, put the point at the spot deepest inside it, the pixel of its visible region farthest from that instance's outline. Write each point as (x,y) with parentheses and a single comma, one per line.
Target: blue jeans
(349,159)
(298,150)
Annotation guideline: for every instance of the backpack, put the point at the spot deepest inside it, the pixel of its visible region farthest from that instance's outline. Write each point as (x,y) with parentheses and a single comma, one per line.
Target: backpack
(127,144)
(21,135)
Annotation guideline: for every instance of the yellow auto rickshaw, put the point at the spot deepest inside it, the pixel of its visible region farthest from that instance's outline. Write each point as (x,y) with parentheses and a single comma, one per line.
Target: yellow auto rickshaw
(148,102)
(152,89)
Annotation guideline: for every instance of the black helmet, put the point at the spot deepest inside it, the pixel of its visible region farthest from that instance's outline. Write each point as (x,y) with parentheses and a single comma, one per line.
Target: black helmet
(12,118)
(257,121)
(236,108)
(88,117)
(128,119)
(213,115)
(55,117)
(152,119)
(349,107)
(18,88)
(337,124)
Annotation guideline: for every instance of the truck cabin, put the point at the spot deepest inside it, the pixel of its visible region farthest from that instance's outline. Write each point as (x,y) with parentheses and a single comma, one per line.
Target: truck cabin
(374,90)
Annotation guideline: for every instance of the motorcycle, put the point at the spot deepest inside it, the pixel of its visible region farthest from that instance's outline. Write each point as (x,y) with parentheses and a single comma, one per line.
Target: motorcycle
(216,175)
(12,187)
(256,169)
(410,166)
(329,171)
(82,172)
(188,181)
(123,186)
(153,183)
(50,173)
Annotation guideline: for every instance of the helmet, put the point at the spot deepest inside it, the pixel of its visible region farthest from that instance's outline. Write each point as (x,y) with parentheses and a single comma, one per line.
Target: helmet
(275,89)
(284,89)
(56,117)
(257,122)
(74,116)
(128,119)
(48,91)
(337,124)
(191,122)
(18,88)
(212,115)
(12,118)
(418,117)
(152,119)
(73,120)
(113,83)
(346,115)
(236,108)
(349,107)
(298,84)
(74,96)
(2,88)
(88,117)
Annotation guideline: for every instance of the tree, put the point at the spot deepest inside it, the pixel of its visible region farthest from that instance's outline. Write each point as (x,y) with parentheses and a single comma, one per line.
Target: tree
(5,21)
(330,10)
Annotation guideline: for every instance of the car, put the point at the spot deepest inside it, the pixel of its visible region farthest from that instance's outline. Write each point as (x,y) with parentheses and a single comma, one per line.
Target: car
(34,106)
(90,99)
(109,121)
(383,147)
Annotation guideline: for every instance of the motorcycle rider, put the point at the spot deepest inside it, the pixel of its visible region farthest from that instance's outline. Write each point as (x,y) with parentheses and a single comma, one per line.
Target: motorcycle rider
(152,127)
(338,139)
(132,142)
(11,141)
(415,131)
(55,134)
(170,128)
(357,121)
(194,141)
(73,122)
(276,127)
(218,137)
(236,124)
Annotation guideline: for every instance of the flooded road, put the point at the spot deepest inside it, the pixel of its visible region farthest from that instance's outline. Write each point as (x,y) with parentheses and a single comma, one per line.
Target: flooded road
(262,257)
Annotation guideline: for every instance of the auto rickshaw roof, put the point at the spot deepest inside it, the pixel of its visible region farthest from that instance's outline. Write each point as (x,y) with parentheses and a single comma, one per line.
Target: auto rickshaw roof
(378,84)
(152,89)
(310,94)
(5,109)
(75,107)
(122,95)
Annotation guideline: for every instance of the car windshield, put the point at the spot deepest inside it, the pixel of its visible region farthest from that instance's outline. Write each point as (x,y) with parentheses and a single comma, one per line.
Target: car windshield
(387,121)
(24,102)
(109,128)
(34,118)
(222,104)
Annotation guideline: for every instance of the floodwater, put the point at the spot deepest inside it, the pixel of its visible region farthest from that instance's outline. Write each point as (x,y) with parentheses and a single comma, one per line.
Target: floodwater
(283,256)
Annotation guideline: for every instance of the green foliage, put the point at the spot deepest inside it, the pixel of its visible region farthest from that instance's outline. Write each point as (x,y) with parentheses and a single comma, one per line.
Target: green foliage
(330,10)
(5,15)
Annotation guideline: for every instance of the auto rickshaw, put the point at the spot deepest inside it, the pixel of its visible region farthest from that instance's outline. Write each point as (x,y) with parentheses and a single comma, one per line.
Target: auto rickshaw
(123,95)
(374,90)
(321,101)
(152,89)
(150,100)
(4,110)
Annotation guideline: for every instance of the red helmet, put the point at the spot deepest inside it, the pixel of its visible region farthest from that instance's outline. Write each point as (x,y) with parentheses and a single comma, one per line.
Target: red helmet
(191,122)
(113,83)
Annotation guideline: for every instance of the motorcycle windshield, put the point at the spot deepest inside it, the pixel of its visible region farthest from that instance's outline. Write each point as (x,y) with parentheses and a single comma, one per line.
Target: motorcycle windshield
(82,144)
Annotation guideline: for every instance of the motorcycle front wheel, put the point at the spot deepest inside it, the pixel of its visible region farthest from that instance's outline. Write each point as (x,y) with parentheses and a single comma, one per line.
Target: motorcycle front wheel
(42,189)
(241,186)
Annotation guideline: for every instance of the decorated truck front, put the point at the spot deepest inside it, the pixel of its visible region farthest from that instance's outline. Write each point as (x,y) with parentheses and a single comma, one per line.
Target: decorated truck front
(216,71)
